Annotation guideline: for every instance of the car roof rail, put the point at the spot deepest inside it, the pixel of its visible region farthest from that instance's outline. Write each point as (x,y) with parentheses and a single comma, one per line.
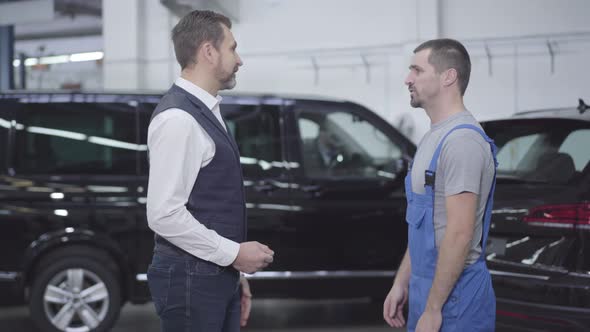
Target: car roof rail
(582,107)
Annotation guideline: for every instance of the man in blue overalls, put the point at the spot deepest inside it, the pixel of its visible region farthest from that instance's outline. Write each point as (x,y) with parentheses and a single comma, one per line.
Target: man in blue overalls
(449,189)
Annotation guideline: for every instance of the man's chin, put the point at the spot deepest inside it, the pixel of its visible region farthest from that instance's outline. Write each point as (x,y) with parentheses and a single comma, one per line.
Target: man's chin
(415,104)
(229,84)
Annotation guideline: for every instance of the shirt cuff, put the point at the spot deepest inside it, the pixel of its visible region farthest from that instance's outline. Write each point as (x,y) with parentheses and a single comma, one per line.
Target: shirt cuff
(226,252)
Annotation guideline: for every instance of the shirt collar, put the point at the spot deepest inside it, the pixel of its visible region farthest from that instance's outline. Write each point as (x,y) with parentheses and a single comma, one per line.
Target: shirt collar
(204,96)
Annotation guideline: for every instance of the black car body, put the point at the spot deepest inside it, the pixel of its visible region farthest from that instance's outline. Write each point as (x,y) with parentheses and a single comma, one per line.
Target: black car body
(74,240)
(539,249)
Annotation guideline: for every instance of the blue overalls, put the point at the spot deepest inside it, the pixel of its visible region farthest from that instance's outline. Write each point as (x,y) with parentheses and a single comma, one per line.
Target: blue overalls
(471,306)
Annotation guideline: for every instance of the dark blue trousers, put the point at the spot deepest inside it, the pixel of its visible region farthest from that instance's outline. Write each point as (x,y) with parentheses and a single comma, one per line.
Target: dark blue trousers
(191,294)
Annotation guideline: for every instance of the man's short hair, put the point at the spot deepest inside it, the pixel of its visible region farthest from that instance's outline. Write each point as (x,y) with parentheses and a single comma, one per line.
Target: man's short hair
(449,53)
(194,29)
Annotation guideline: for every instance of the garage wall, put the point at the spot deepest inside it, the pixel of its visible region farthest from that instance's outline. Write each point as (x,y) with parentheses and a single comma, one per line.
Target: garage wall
(520,72)
(355,50)
(360,50)
(363,53)
(55,76)
(467,19)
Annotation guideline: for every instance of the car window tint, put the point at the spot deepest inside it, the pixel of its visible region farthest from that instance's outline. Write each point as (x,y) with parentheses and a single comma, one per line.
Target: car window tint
(308,129)
(257,133)
(512,154)
(576,145)
(547,151)
(76,138)
(344,144)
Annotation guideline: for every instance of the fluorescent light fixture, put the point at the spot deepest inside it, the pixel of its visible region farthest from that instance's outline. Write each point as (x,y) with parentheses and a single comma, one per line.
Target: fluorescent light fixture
(265,165)
(57,195)
(107,189)
(13,123)
(64,58)
(117,144)
(55,59)
(61,212)
(248,160)
(4,123)
(57,132)
(88,56)
(279,207)
(31,62)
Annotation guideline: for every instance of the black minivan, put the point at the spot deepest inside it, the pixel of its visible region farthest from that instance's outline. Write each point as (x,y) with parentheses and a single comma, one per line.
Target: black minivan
(324,187)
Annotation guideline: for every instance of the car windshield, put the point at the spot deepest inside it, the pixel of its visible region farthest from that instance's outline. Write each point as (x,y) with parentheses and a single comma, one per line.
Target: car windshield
(541,150)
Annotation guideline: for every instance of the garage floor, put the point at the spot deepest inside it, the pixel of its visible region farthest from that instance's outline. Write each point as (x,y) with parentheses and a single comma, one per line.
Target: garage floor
(267,316)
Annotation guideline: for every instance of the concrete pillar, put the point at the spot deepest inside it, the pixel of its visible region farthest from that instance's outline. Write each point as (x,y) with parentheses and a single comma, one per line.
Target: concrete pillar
(428,16)
(421,20)
(6,56)
(138,51)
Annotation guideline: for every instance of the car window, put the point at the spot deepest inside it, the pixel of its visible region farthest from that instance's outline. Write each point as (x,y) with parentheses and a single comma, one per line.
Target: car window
(576,145)
(256,130)
(76,138)
(547,151)
(344,144)
(257,133)
(308,129)
(512,154)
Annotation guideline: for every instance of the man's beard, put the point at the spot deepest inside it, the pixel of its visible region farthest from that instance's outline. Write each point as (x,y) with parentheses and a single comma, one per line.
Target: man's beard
(415,103)
(227,81)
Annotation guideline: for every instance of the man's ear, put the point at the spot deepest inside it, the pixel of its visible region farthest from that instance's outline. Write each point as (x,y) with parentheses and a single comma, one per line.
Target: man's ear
(207,52)
(450,76)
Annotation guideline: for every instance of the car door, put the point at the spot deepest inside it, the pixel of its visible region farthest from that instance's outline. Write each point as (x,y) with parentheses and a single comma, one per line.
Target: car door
(78,159)
(13,238)
(348,194)
(256,125)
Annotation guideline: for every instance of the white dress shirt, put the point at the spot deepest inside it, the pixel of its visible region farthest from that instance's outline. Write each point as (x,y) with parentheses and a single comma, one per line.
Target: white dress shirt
(179,147)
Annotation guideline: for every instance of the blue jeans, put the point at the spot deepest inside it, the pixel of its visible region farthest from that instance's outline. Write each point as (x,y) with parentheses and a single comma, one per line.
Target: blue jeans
(191,294)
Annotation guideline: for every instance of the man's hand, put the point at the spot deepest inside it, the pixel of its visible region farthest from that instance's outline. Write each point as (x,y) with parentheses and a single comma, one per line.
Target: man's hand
(430,321)
(252,257)
(246,301)
(393,306)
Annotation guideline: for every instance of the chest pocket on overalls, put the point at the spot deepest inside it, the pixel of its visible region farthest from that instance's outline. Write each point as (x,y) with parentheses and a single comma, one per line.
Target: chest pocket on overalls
(415,215)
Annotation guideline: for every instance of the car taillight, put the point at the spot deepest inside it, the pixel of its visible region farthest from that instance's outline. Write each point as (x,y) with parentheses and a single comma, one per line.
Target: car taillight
(563,214)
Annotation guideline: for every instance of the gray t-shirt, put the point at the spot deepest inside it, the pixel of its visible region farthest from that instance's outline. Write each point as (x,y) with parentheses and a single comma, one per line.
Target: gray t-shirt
(465,165)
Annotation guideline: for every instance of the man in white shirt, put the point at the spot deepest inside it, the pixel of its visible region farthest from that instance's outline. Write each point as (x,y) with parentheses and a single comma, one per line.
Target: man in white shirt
(195,201)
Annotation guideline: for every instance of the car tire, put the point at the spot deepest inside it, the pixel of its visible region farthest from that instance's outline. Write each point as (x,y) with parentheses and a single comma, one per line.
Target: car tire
(75,288)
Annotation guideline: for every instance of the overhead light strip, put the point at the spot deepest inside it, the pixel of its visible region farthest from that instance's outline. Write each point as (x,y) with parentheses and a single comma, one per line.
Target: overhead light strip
(57,59)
